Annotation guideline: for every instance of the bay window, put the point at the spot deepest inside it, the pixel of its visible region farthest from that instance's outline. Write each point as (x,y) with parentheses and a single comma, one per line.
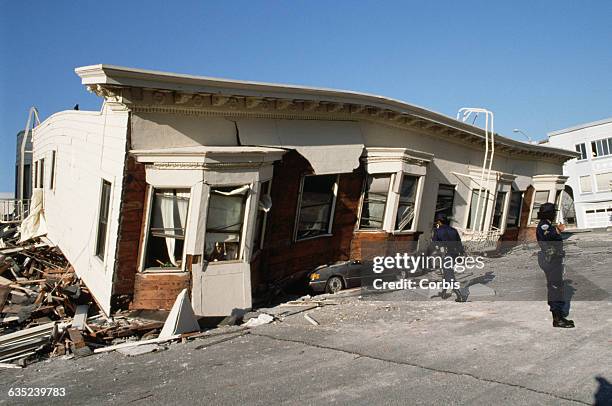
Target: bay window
(541,197)
(498,209)
(476,220)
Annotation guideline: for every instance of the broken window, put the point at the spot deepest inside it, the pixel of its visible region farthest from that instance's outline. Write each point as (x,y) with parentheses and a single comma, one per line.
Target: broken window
(514,209)
(476,220)
(498,210)
(226,209)
(103,219)
(375,194)
(167,224)
(445,200)
(316,205)
(263,207)
(541,197)
(407,199)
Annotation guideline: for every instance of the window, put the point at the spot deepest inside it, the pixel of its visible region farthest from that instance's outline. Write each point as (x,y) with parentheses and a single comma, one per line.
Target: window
(52,180)
(316,205)
(476,220)
(42,173)
(581,148)
(585,184)
(541,197)
(601,147)
(36,174)
(603,181)
(263,207)
(498,209)
(445,200)
(167,222)
(514,209)
(226,210)
(376,190)
(407,199)
(103,219)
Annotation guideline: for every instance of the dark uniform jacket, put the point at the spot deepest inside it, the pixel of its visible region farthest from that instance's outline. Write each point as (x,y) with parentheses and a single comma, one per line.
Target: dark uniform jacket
(448,237)
(550,241)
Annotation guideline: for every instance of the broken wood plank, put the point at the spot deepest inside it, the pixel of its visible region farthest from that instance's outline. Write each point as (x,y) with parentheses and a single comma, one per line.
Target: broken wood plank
(135,343)
(311,320)
(80,317)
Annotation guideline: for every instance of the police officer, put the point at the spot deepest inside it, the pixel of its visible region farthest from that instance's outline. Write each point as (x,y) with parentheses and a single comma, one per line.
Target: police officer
(447,241)
(550,259)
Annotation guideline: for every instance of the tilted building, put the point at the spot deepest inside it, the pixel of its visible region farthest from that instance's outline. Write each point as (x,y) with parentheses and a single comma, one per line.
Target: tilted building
(224,186)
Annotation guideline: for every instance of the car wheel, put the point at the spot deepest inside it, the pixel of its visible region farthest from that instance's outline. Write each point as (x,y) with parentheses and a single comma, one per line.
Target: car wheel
(334,284)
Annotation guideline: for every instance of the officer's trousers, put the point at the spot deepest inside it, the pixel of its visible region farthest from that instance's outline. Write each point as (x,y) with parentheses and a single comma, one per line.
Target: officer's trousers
(553,270)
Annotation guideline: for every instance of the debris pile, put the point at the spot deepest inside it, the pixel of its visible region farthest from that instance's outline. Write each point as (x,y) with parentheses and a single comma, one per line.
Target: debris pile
(46,311)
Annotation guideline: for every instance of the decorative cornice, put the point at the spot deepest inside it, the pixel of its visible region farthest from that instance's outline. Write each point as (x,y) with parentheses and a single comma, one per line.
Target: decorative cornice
(140,99)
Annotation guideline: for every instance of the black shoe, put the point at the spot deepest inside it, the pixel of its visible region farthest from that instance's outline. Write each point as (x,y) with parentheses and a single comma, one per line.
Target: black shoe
(460,296)
(445,295)
(562,322)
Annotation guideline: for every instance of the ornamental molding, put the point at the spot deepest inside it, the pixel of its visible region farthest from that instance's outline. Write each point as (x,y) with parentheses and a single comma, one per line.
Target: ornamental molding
(204,165)
(146,100)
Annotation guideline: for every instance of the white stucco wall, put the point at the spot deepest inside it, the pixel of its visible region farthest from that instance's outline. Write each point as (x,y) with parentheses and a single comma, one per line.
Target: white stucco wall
(90,146)
(591,166)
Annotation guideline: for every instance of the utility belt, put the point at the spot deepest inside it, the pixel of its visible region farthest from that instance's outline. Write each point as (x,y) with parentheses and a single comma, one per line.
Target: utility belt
(551,254)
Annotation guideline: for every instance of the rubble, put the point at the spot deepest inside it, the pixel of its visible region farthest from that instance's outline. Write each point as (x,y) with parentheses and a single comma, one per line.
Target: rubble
(47,311)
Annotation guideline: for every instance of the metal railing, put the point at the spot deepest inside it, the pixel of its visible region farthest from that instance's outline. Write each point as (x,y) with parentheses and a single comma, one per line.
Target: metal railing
(13,210)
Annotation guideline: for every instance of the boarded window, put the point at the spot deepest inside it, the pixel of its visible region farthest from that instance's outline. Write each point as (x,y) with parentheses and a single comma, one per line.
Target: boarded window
(498,210)
(603,181)
(514,209)
(103,219)
(407,203)
(376,191)
(476,220)
(585,184)
(445,200)
(541,197)
(167,224)
(316,205)
(224,223)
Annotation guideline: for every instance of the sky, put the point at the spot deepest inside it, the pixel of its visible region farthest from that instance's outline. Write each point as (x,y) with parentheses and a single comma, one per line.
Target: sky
(538,65)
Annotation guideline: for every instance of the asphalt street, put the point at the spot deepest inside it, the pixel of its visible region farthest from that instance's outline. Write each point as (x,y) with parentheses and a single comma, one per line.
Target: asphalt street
(365,350)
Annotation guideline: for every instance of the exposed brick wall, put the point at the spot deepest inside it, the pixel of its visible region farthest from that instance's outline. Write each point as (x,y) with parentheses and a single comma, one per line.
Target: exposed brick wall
(158,290)
(282,256)
(130,227)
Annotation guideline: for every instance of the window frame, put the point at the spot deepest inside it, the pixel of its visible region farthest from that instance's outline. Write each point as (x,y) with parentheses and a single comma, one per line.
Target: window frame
(520,209)
(581,148)
(150,193)
(262,235)
(485,212)
(53,170)
(582,191)
(392,176)
(100,250)
(41,178)
(417,199)
(332,211)
(534,220)
(452,208)
(243,226)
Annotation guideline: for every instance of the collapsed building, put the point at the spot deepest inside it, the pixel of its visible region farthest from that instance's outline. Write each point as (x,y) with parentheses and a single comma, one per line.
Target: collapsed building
(222,186)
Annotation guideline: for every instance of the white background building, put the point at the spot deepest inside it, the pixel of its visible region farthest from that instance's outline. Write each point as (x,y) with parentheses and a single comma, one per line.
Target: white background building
(590,176)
